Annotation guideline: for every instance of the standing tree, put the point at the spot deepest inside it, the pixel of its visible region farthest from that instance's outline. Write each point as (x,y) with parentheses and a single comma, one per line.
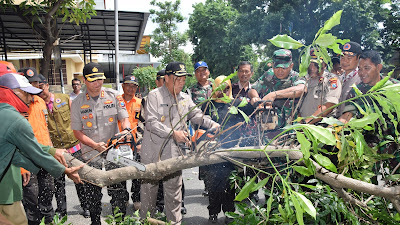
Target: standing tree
(166,40)
(46,13)
(214,38)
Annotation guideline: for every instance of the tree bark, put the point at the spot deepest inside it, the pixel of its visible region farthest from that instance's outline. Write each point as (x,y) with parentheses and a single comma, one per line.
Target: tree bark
(156,171)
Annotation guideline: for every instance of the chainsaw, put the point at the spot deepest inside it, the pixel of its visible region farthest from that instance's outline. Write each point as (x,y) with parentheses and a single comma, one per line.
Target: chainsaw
(120,151)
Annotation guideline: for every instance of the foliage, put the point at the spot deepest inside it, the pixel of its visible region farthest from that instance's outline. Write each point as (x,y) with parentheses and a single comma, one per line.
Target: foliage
(135,219)
(259,21)
(354,149)
(166,40)
(56,220)
(46,13)
(146,77)
(212,32)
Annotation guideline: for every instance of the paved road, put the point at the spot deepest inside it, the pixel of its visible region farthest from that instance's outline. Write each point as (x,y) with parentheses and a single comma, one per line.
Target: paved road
(195,203)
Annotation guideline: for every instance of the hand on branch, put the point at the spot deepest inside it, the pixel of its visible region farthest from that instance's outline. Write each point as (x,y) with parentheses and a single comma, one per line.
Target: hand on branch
(100,146)
(72,173)
(59,156)
(180,136)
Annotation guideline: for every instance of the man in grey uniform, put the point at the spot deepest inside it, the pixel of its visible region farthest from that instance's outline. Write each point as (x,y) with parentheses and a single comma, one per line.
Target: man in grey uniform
(351,52)
(94,120)
(323,91)
(164,108)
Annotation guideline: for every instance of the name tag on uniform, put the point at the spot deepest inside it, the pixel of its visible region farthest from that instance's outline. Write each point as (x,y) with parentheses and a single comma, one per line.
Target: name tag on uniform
(164,104)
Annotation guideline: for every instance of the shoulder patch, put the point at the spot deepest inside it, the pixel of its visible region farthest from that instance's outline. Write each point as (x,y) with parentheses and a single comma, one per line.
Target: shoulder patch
(333,82)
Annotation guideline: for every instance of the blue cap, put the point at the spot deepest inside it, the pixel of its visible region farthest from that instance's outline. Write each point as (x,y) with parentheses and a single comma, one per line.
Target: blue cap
(200,64)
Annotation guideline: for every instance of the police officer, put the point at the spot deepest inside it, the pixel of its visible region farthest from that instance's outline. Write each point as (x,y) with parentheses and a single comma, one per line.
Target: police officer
(323,91)
(349,58)
(94,116)
(164,109)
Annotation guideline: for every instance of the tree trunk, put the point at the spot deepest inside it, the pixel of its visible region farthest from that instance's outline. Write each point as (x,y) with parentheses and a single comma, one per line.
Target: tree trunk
(156,171)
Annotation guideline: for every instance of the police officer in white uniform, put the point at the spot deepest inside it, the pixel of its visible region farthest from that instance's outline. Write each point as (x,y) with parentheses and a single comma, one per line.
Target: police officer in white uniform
(94,120)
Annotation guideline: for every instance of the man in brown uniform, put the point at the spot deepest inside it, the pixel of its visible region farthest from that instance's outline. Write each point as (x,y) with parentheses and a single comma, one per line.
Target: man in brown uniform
(59,124)
(323,91)
(164,108)
(94,117)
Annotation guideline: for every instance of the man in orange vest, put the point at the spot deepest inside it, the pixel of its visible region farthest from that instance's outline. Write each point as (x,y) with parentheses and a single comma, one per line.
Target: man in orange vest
(133,105)
(38,193)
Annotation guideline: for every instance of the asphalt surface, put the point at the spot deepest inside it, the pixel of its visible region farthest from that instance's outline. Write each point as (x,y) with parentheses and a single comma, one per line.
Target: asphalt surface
(195,203)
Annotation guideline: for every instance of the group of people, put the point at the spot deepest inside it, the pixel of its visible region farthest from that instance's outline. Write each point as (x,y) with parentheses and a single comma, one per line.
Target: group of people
(39,123)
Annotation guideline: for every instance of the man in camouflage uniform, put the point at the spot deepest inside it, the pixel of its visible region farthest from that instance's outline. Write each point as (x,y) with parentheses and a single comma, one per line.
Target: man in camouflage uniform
(203,88)
(323,91)
(280,85)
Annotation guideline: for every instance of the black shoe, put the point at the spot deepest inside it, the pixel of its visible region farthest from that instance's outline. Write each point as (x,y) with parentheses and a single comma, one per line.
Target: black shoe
(213,218)
(205,193)
(86,213)
(183,210)
(228,220)
(61,214)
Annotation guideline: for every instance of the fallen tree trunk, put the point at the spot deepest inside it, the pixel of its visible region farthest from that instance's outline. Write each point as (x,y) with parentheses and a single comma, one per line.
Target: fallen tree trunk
(156,171)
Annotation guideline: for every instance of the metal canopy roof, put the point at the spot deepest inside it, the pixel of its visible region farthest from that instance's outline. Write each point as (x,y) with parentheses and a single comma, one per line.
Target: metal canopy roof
(96,34)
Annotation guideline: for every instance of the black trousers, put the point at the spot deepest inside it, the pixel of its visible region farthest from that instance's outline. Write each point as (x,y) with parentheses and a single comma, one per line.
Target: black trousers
(38,196)
(61,198)
(135,190)
(221,199)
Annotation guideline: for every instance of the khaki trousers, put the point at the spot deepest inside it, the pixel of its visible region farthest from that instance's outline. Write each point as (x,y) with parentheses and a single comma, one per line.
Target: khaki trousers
(172,197)
(14,213)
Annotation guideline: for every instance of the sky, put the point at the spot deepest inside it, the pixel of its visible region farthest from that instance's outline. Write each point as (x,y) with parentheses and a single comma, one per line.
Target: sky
(144,6)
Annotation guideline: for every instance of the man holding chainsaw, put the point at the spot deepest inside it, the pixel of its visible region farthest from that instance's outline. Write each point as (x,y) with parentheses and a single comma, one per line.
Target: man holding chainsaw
(165,131)
(94,117)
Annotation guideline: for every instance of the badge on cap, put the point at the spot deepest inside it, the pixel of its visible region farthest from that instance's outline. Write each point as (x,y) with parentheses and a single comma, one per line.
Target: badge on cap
(95,70)
(162,119)
(347,46)
(30,73)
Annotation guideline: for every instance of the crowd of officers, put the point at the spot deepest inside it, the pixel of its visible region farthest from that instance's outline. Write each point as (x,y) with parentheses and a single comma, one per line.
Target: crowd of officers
(83,121)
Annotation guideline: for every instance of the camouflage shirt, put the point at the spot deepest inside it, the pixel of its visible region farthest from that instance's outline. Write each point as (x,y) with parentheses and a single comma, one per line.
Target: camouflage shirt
(269,83)
(370,136)
(200,93)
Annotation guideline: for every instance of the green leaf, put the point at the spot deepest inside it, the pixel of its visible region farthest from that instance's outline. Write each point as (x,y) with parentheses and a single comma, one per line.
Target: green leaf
(303,170)
(360,143)
(366,120)
(285,41)
(246,118)
(233,110)
(379,85)
(325,162)
(244,193)
(243,103)
(325,40)
(322,134)
(226,99)
(305,144)
(307,205)
(333,21)
(299,210)
(260,184)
